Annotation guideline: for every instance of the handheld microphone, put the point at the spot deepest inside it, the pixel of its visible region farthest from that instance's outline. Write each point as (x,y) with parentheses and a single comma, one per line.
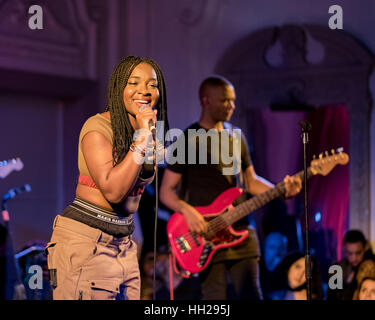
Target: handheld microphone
(151,124)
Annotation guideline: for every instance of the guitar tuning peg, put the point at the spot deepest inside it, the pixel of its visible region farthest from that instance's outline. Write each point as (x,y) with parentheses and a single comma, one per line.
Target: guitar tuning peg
(321,156)
(333,151)
(314,157)
(326,153)
(339,150)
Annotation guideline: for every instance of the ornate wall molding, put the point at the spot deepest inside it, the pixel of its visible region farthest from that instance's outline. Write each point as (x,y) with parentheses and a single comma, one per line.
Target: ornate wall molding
(192,12)
(309,65)
(65,46)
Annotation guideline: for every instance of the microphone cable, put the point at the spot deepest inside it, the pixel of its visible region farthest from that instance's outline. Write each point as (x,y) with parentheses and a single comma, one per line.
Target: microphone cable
(156,150)
(155,227)
(154,153)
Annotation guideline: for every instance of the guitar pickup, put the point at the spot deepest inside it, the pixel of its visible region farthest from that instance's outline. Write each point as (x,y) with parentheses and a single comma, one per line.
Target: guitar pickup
(207,248)
(196,241)
(183,244)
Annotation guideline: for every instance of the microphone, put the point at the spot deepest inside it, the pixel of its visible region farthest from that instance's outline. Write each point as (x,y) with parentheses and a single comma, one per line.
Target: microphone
(16,191)
(305,125)
(151,124)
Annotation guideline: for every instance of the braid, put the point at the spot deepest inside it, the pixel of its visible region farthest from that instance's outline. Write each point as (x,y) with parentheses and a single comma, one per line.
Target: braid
(121,126)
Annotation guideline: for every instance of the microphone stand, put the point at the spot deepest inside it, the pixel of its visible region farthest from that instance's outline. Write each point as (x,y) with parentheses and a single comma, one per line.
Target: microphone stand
(14,287)
(306,126)
(155,163)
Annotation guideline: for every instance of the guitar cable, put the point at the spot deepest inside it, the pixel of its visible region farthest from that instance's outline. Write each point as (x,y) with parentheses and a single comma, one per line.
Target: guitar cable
(156,150)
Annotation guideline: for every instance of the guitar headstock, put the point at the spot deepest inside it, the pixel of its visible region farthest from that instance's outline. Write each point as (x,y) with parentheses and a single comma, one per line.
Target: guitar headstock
(325,163)
(6,167)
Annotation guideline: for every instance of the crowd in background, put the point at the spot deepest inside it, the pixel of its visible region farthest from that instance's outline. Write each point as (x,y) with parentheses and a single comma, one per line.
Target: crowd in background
(282,273)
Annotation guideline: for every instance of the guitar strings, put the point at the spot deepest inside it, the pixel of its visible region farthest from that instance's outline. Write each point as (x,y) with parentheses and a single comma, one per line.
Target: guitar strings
(219,222)
(216,224)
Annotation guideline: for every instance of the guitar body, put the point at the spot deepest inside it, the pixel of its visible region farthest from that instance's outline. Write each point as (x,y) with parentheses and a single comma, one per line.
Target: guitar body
(194,252)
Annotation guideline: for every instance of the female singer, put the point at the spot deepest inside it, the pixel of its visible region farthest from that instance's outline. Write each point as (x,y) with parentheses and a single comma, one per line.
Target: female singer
(91,254)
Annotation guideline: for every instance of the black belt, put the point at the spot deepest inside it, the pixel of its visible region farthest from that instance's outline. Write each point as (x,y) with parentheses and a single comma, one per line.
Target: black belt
(100,218)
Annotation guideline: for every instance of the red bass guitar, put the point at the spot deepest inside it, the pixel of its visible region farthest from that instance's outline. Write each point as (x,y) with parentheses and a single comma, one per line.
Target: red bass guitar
(194,251)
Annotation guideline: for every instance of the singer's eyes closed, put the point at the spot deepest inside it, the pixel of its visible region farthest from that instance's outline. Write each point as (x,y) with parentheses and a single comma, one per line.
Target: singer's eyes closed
(153,85)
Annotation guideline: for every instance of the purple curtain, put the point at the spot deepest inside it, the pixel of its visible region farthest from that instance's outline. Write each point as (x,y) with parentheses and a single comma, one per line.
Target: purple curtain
(277,143)
(329,195)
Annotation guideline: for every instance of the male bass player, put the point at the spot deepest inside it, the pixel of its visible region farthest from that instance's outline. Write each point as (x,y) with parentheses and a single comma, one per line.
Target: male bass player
(200,184)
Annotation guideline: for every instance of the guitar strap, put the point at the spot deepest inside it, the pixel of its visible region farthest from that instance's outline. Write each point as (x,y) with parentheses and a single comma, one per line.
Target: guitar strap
(234,136)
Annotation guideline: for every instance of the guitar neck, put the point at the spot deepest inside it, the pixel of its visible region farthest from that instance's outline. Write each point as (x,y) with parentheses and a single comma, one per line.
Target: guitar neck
(256,202)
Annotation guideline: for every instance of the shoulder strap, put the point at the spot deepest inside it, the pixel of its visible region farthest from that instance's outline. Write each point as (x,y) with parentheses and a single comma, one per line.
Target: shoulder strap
(239,175)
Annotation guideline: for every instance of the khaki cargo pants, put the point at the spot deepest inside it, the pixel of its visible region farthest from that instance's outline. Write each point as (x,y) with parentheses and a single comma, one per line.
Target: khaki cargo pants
(87,264)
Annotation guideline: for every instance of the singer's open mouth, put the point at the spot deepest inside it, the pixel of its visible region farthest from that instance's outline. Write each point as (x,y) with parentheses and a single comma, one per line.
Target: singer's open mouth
(140,103)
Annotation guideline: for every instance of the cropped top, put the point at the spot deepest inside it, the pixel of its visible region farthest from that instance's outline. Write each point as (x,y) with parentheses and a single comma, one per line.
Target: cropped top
(101,124)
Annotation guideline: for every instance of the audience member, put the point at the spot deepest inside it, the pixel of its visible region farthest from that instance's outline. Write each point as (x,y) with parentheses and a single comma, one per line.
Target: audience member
(274,251)
(367,289)
(365,270)
(292,273)
(356,251)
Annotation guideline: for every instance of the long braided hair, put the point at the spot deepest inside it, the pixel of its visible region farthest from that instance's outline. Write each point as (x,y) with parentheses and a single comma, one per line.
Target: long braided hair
(121,127)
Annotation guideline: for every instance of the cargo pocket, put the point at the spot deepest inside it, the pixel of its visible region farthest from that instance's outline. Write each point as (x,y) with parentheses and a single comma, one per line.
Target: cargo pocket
(104,289)
(52,270)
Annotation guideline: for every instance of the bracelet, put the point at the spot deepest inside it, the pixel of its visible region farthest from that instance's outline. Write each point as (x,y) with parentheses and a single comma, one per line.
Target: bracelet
(138,154)
(136,148)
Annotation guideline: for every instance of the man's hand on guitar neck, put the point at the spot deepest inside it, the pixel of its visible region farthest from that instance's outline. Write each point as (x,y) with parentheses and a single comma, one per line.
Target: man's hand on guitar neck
(292,186)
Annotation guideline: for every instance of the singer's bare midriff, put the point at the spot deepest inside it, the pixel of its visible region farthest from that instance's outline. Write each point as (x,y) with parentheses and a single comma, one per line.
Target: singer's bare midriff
(92,195)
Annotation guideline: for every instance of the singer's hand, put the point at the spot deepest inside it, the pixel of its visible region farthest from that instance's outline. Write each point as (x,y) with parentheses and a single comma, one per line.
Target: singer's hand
(144,116)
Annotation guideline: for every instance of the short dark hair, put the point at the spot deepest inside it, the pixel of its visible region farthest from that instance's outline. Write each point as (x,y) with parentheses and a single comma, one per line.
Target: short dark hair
(354,236)
(213,81)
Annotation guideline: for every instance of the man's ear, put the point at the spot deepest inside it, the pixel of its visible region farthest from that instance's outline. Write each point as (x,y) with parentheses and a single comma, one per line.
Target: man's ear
(367,246)
(204,101)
